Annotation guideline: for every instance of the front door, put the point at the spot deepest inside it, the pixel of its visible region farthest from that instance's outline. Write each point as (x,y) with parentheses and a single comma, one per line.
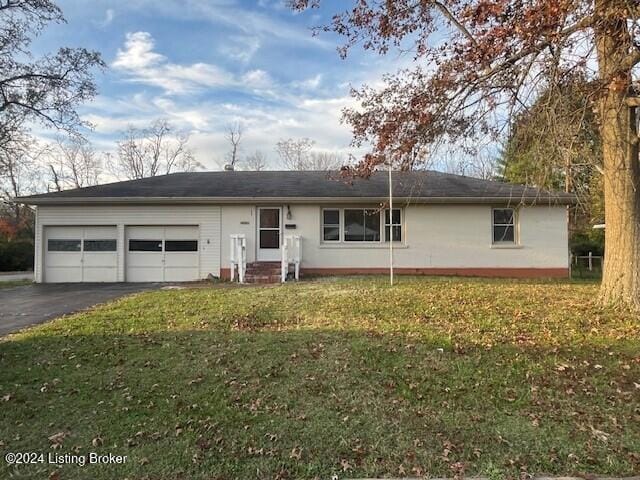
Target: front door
(269,225)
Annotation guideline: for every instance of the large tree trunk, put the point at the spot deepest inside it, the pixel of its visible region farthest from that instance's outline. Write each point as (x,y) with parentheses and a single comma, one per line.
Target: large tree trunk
(621,276)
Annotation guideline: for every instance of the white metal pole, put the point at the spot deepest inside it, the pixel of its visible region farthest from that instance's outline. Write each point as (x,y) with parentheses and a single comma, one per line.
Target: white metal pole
(390,225)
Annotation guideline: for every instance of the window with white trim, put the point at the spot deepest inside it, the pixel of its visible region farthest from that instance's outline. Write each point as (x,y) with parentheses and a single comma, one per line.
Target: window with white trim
(331,225)
(353,225)
(393,225)
(504,226)
(361,225)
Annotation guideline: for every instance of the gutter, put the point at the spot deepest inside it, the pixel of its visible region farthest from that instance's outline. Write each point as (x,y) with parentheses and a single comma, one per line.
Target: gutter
(513,200)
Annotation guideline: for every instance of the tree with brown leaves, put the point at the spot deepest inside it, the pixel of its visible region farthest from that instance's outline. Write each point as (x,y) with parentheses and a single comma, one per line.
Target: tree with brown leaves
(479,62)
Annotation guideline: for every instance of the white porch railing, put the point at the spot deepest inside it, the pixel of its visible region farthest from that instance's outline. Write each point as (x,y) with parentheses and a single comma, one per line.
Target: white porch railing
(238,257)
(291,255)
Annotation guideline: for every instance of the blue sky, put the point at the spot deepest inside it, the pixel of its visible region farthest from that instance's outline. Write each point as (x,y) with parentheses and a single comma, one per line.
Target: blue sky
(207,64)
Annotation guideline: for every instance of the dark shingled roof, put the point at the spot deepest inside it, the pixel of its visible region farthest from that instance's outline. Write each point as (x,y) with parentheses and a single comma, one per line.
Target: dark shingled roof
(422,186)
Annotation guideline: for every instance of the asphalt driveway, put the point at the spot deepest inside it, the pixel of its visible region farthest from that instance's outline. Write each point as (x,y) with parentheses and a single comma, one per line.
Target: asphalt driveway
(32,304)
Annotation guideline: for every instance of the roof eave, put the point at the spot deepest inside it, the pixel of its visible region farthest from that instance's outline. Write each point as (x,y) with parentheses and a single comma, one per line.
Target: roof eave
(509,200)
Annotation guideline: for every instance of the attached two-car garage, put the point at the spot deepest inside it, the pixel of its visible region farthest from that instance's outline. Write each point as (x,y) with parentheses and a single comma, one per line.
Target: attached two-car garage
(92,253)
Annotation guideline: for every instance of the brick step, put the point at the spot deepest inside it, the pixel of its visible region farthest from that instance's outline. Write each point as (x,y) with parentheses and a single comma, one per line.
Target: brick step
(250,278)
(263,272)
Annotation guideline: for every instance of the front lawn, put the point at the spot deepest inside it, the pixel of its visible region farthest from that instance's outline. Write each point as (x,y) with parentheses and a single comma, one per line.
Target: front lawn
(431,377)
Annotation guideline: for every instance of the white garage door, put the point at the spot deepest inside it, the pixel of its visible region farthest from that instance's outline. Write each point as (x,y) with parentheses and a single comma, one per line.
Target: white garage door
(80,254)
(163,254)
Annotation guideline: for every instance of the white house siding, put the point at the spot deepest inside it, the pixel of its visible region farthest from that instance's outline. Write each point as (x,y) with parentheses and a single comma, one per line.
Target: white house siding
(206,217)
(434,237)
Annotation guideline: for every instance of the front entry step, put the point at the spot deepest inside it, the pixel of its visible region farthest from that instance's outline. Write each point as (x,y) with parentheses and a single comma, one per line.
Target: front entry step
(262,272)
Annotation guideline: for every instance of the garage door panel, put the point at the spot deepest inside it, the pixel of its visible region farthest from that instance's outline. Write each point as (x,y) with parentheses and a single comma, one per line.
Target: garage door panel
(145,233)
(64,232)
(144,274)
(174,260)
(65,258)
(144,259)
(177,258)
(106,260)
(63,274)
(100,274)
(181,233)
(100,233)
(181,274)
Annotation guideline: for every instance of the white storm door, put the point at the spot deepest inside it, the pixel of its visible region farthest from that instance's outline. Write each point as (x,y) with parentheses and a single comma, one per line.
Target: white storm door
(269,233)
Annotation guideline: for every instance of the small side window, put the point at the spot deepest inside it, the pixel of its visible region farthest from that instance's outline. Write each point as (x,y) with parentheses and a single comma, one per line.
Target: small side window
(504,231)
(64,245)
(393,225)
(100,245)
(331,225)
(145,245)
(180,245)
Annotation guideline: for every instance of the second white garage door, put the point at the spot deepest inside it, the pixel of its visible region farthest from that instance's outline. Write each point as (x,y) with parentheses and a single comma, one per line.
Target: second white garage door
(162,254)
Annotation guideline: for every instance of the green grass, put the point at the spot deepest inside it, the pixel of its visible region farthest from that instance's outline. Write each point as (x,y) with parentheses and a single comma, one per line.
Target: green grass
(431,377)
(14,283)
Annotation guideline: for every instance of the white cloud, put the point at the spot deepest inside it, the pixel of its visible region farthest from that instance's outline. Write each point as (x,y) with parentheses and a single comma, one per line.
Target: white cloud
(142,64)
(240,47)
(257,79)
(137,53)
(109,15)
(311,83)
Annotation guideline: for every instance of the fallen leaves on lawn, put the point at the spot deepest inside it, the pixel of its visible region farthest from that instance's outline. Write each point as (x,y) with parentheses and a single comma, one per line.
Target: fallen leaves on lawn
(296,453)
(56,439)
(97,441)
(599,434)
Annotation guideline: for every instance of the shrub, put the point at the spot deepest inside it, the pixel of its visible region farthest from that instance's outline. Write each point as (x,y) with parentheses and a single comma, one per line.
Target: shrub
(16,256)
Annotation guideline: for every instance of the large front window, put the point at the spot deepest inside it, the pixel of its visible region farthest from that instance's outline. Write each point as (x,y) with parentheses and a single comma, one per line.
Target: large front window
(361,225)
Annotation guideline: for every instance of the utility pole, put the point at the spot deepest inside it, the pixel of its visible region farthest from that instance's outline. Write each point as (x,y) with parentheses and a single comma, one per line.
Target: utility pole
(390,224)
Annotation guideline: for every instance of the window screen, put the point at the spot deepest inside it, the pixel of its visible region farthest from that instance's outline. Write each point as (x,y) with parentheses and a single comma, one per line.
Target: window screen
(503,225)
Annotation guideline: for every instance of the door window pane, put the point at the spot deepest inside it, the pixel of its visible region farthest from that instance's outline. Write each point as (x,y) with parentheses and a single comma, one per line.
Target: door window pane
(269,239)
(269,218)
(100,245)
(145,245)
(64,245)
(181,246)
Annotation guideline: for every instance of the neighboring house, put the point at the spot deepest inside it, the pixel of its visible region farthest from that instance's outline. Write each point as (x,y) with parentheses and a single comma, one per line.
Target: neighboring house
(179,227)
